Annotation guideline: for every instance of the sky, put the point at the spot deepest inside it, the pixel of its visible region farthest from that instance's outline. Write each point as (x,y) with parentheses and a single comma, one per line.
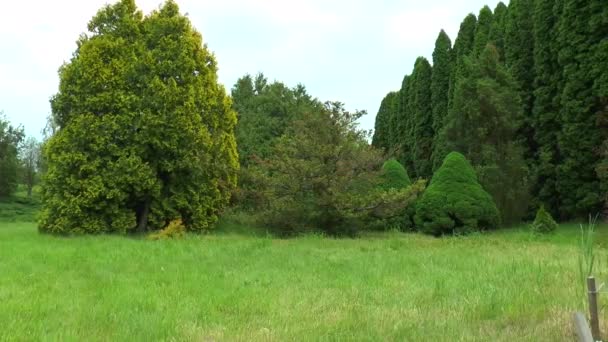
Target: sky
(352,51)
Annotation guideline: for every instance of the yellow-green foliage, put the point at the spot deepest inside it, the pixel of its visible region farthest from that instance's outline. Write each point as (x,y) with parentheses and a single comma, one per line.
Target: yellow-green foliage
(543,223)
(455,202)
(146,131)
(174,230)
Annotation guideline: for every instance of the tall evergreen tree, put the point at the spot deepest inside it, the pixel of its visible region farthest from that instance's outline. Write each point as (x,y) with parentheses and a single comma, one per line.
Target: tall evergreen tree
(422,113)
(482,30)
(519,57)
(402,132)
(497,31)
(579,139)
(463,45)
(381,138)
(440,86)
(545,112)
(482,125)
(145,132)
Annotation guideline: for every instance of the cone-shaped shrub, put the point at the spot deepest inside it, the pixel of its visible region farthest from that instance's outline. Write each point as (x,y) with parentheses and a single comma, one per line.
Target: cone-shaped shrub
(455,202)
(394,175)
(543,223)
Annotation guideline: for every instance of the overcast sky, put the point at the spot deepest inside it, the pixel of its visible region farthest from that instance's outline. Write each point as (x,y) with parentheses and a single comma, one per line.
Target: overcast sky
(353,51)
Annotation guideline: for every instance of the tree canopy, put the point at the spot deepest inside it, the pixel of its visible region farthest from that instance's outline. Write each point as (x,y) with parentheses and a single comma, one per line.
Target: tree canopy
(145,134)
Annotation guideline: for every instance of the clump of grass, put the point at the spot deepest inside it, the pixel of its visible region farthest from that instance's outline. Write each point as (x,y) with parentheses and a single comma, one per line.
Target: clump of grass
(587,254)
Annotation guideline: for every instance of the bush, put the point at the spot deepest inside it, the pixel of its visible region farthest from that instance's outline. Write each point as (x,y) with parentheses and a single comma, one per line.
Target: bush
(543,223)
(394,175)
(455,202)
(174,230)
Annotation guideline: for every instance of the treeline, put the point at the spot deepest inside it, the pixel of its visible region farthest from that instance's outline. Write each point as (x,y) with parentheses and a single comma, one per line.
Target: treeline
(523,93)
(20,159)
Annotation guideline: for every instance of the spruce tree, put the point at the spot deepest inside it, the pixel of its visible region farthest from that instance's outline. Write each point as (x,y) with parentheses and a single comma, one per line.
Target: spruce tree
(482,30)
(440,85)
(422,114)
(146,133)
(482,125)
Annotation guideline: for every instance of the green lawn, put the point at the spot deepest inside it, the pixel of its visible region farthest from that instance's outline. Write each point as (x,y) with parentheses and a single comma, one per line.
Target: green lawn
(502,286)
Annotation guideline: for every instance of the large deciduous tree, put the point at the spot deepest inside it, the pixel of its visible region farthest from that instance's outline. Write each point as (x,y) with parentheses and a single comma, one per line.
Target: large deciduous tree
(145,132)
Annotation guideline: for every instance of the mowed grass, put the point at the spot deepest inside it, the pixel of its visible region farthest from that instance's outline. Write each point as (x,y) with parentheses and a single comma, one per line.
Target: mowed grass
(501,286)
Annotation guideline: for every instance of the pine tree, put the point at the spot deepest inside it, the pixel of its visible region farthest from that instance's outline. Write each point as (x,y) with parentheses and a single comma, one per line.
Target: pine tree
(146,133)
(482,30)
(579,139)
(440,84)
(545,112)
(519,57)
(482,125)
(497,31)
(422,114)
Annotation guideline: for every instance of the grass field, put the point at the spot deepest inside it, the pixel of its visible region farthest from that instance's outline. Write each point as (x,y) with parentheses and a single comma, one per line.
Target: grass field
(502,286)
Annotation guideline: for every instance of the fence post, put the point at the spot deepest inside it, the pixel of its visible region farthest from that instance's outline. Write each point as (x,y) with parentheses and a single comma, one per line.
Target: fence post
(593,313)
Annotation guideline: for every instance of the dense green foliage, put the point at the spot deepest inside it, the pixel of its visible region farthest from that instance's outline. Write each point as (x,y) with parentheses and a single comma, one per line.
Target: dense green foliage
(486,95)
(10,138)
(556,54)
(323,176)
(543,222)
(264,112)
(454,201)
(440,87)
(145,132)
(388,106)
(394,175)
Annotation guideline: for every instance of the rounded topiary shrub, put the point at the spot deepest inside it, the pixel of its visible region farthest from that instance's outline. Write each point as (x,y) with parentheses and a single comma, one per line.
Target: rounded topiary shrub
(543,223)
(455,202)
(394,175)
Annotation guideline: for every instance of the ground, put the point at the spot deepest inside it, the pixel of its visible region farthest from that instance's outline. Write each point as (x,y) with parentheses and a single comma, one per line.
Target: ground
(232,285)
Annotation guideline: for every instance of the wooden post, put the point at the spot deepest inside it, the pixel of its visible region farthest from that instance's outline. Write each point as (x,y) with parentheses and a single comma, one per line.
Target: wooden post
(582,327)
(593,313)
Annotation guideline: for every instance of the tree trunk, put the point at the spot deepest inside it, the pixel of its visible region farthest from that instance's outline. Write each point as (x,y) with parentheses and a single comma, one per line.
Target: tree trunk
(142,224)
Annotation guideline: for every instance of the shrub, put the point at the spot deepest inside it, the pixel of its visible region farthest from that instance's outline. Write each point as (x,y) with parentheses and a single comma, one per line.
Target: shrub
(394,175)
(455,202)
(174,230)
(543,223)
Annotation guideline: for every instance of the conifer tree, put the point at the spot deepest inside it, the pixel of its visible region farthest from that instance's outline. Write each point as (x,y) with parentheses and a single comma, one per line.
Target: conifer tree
(545,112)
(580,138)
(463,45)
(440,84)
(519,57)
(422,114)
(381,138)
(145,132)
(482,30)
(497,31)
(482,124)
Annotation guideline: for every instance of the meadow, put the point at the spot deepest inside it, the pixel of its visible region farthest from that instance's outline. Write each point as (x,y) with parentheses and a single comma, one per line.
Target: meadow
(240,284)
